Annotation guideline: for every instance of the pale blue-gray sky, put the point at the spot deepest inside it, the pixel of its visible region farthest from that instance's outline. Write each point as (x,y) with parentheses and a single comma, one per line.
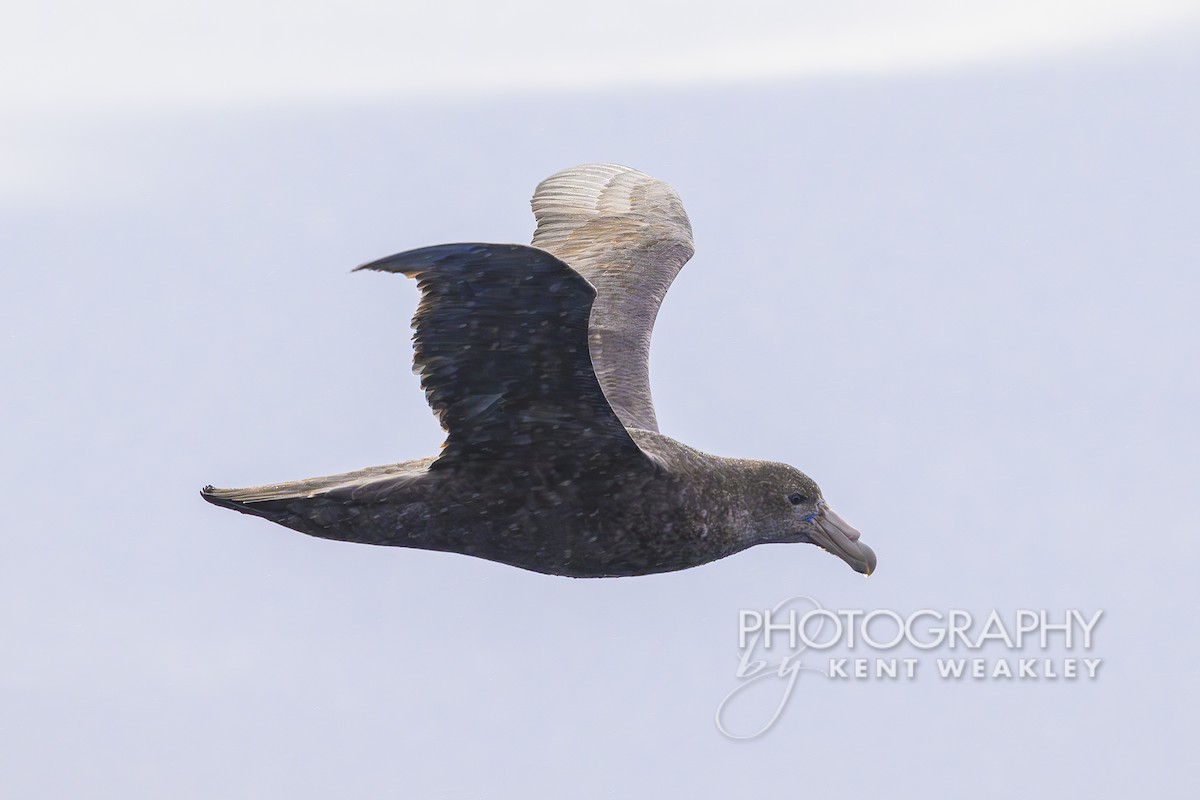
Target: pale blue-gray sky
(963,299)
(73,54)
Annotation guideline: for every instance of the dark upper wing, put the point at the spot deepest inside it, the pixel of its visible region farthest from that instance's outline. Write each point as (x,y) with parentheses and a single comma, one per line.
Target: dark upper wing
(502,351)
(628,234)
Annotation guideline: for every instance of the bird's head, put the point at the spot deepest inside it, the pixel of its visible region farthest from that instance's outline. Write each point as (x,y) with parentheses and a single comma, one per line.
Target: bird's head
(785,505)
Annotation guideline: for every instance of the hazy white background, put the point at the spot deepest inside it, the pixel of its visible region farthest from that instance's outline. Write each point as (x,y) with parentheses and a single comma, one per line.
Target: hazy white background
(946,265)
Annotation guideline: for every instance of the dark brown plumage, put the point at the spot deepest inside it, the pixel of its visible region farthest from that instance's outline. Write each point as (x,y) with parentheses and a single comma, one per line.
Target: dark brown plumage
(535,360)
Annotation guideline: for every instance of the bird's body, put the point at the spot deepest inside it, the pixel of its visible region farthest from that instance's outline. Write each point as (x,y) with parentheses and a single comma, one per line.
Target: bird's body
(605,521)
(553,460)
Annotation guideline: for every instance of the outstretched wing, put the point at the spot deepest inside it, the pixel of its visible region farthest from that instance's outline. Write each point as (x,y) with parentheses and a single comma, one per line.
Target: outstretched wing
(627,234)
(501,348)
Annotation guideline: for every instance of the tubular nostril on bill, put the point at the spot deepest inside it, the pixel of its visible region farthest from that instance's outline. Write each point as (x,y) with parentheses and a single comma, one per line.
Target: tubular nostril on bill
(848,530)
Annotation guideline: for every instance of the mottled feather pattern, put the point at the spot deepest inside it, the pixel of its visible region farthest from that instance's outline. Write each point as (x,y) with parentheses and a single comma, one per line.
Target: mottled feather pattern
(536,362)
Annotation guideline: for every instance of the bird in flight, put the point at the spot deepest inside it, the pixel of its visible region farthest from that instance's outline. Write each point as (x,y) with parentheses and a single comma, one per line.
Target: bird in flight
(535,360)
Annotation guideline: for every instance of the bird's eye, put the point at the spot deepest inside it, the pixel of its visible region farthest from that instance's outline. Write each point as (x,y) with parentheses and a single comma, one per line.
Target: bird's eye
(795,498)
